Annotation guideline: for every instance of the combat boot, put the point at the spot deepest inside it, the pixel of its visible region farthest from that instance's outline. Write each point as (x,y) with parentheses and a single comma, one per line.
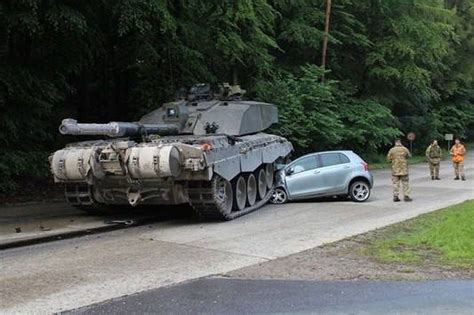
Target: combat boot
(396,199)
(432,178)
(406,198)
(463,178)
(456,178)
(437,178)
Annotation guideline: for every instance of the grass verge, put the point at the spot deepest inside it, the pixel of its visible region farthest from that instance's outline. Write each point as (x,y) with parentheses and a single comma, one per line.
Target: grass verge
(444,237)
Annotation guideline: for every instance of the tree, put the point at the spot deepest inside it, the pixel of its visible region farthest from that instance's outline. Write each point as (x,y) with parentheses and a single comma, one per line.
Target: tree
(38,52)
(393,66)
(317,116)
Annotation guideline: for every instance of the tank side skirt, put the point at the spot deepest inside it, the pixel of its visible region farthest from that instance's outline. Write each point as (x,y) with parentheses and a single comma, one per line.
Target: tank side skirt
(248,156)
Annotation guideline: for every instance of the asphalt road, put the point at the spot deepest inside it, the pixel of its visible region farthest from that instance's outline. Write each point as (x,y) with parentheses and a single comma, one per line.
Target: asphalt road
(72,273)
(229,296)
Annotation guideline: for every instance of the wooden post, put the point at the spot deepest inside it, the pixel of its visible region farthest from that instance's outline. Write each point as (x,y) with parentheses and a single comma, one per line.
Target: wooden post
(326,35)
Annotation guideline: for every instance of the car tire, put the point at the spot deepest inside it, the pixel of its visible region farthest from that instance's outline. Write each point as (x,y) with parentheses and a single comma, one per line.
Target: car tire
(279,196)
(359,191)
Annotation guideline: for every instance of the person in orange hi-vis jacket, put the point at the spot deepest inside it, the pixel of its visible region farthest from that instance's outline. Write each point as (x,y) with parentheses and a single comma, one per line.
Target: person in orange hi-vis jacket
(458,151)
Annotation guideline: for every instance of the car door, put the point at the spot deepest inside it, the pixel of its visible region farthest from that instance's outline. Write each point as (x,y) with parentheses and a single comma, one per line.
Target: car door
(335,171)
(302,177)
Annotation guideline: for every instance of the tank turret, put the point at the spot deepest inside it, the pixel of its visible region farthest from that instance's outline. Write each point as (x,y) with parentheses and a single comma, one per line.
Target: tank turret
(202,113)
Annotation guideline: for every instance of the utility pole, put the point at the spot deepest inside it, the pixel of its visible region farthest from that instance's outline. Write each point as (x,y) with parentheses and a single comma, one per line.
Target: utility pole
(451,4)
(326,35)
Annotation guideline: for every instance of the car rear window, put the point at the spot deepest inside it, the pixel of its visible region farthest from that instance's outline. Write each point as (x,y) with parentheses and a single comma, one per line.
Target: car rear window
(329,159)
(344,158)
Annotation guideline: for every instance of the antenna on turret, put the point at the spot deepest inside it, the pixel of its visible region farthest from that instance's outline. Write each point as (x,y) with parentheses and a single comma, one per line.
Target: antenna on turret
(229,92)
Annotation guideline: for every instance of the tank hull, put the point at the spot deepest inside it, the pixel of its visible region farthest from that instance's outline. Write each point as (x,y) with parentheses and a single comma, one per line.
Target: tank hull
(207,172)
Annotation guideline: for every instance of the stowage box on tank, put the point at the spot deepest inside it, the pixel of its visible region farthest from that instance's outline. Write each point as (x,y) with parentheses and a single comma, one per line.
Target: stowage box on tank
(204,150)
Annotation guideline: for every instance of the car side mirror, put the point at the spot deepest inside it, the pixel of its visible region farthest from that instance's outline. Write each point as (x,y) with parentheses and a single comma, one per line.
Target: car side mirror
(290,171)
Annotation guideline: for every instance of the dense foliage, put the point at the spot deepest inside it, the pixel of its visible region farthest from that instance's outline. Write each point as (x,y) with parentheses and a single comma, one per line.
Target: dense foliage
(317,116)
(393,66)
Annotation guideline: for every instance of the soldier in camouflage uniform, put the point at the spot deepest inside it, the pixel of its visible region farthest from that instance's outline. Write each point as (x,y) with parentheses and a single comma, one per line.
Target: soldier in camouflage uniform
(434,155)
(399,155)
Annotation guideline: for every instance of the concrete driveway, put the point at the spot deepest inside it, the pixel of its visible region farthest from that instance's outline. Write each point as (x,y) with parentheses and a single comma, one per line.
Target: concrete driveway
(73,273)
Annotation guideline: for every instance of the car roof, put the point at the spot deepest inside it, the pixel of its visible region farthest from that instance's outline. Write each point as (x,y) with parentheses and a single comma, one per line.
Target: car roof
(333,151)
(347,152)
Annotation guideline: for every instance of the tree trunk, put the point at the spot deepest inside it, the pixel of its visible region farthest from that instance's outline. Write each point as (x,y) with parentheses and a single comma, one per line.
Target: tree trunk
(326,35)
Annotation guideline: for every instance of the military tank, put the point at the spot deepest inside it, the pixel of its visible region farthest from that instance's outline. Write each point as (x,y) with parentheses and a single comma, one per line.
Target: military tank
(206,149)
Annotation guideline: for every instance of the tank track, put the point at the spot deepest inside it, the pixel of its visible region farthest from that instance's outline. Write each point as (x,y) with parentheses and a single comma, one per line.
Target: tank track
(80,197)
(202,197)
(205,203)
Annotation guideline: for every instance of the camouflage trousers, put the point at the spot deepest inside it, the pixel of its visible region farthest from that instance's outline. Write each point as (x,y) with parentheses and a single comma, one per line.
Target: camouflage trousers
(400,180)
(434,169)
(458,169)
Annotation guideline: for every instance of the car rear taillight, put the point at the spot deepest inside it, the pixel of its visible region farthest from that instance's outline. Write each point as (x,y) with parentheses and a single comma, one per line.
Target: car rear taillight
(365,166)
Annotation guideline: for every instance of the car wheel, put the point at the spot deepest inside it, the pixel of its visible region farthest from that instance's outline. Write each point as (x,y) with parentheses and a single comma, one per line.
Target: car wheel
(359,191)
(279,196)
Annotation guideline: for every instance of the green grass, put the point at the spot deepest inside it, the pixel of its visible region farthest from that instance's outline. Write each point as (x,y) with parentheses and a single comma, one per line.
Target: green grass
(443,237)
(381,164)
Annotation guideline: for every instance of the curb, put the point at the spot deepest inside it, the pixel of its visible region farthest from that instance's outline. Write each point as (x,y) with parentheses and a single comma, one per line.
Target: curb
(61,236)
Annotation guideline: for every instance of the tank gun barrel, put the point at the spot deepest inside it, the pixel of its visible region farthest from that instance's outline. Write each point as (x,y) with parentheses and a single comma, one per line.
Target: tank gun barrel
(115,129)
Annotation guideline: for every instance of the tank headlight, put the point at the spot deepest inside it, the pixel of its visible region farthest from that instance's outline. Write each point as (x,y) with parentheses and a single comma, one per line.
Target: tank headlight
(171,113)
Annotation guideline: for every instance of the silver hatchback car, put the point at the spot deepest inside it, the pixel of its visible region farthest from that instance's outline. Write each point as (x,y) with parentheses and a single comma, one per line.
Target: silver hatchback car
(324,174)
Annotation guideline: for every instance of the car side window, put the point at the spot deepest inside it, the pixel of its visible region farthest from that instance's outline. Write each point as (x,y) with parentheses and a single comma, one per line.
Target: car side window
(329,159)
(305,164)
(344,158)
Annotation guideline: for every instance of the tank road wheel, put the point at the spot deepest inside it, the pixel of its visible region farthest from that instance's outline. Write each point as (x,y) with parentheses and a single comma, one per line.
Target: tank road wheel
(262,183)
(251,189)
(240,193)
(270,173)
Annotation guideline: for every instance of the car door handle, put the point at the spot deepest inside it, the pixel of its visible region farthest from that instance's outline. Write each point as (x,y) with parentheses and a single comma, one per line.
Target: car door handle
(347,166)
(317,171)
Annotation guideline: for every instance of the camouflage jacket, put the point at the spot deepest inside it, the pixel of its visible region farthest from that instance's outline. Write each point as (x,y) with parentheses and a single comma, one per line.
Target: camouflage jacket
(399,155)
(433,153)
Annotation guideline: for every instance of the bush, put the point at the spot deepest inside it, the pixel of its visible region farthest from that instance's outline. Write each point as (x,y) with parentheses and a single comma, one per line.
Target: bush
(455,118)
(316,116)
(15,165)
